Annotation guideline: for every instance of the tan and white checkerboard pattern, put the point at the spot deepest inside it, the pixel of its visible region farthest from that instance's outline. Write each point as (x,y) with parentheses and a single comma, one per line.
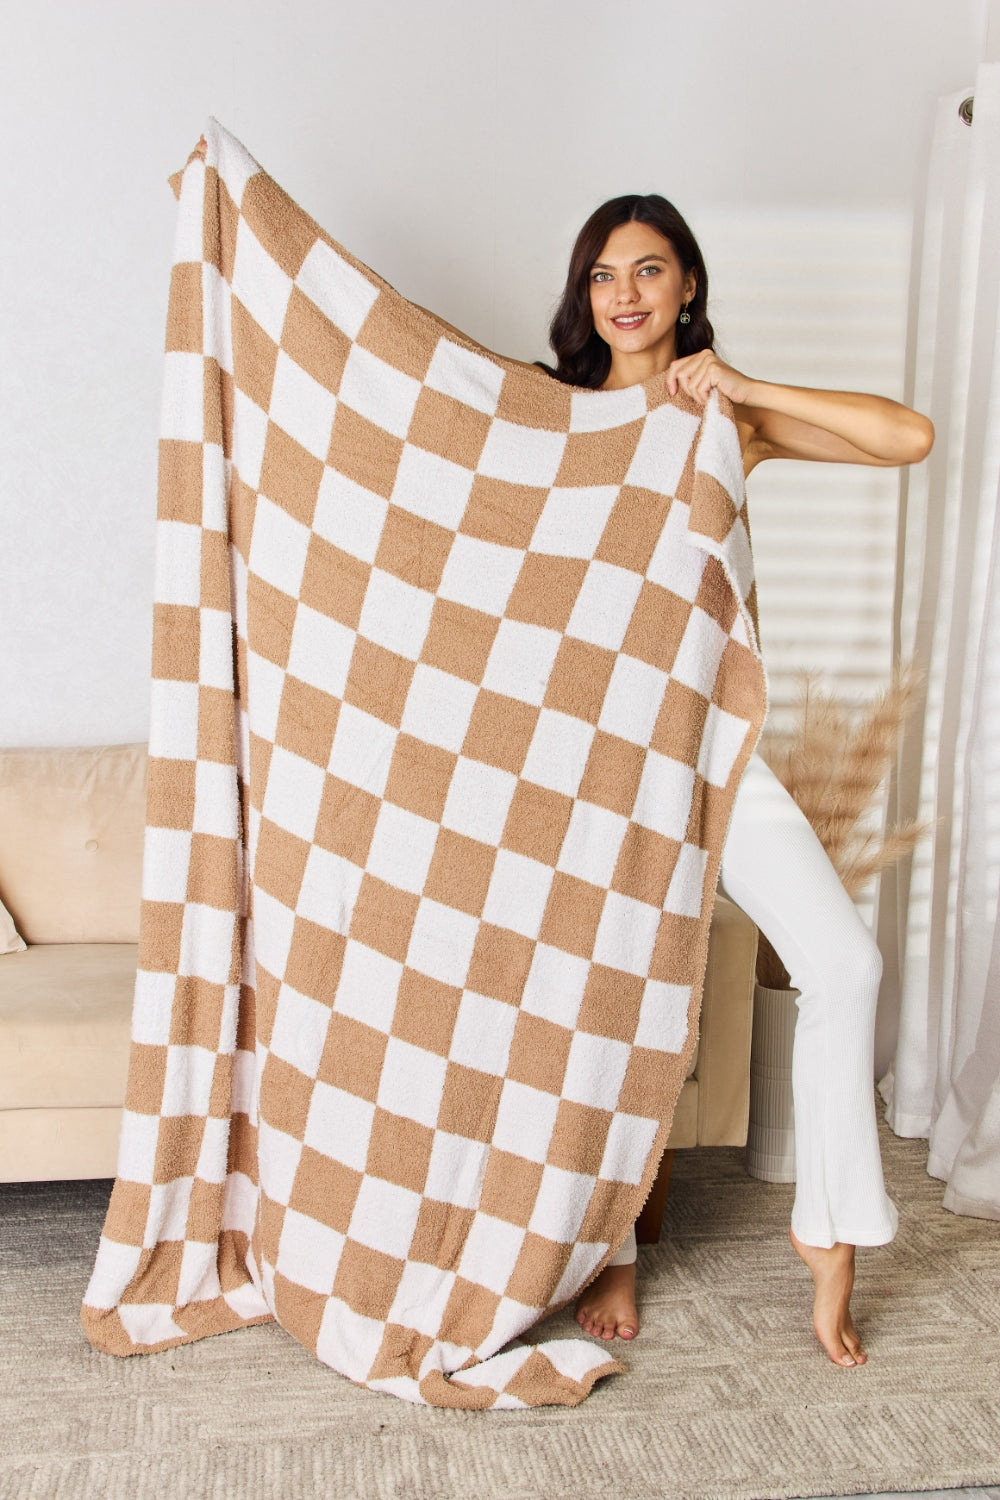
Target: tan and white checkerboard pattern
(455,674)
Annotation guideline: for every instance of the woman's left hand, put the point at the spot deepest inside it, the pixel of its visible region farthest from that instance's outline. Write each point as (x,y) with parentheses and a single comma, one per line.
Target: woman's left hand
(697,375)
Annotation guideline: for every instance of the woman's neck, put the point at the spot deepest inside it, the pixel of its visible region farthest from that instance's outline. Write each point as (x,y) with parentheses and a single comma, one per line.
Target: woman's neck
(633,369)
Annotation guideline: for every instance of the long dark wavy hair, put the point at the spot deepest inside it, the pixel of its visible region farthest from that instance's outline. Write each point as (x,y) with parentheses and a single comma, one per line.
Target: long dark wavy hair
(582,356)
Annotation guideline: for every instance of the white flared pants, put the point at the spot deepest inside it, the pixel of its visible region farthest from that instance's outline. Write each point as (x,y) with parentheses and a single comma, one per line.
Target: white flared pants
(775,868)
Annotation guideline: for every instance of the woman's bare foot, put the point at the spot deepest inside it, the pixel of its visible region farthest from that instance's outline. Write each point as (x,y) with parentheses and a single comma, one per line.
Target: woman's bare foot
(607,1306)
(833,1280)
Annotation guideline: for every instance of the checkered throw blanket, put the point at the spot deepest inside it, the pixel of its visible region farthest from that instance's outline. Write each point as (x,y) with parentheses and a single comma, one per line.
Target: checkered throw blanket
(455,675)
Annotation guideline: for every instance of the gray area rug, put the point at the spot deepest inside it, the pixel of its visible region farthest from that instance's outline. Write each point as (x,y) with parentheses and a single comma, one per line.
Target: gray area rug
(728,1395)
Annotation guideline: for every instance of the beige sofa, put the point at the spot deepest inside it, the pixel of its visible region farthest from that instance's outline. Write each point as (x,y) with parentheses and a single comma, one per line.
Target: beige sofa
(71,825)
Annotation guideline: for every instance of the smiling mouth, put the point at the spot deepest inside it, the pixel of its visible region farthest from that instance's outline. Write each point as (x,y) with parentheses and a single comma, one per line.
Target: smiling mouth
(628,321)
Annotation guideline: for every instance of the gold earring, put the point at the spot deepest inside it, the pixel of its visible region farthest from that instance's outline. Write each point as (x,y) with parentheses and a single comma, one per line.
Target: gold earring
(685,316)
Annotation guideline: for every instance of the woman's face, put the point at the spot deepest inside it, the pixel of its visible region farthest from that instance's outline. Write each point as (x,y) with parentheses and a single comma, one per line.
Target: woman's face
(637,289)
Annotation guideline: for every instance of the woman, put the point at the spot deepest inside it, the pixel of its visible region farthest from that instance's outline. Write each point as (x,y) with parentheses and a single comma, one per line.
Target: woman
(634,306)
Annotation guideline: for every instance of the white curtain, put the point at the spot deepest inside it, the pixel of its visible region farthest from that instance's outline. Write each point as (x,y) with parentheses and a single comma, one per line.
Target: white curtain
(938,920)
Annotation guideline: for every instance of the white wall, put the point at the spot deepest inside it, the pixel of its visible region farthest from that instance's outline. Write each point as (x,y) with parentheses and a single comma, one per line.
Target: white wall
(455,145)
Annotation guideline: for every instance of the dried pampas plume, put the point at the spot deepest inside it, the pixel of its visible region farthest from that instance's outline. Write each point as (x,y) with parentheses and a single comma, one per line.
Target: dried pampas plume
(833,764)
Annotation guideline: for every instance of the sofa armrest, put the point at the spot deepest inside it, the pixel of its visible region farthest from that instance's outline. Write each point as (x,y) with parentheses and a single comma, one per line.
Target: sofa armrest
(723,1070)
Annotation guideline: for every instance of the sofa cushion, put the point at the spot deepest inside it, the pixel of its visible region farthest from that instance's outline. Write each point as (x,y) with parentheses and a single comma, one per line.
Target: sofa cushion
(11,940)
(64,1025)
(71,832)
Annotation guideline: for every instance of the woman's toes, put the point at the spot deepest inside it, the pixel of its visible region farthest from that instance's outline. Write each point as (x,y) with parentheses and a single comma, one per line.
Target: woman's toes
(853,1346)
(840,1349)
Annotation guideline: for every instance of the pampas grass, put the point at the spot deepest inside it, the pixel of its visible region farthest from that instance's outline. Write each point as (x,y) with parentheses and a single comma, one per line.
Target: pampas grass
(833,764)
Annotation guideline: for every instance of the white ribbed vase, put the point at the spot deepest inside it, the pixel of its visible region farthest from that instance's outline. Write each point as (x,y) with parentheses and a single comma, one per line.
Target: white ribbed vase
(771,1133)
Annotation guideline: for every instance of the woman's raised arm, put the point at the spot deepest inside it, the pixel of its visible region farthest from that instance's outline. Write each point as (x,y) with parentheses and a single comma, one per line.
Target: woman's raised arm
(792,421)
